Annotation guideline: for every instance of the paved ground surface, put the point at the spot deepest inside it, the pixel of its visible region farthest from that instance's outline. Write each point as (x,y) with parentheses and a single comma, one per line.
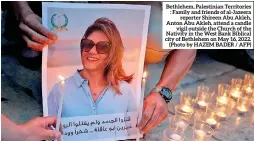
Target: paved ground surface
(206,71)
(20,85)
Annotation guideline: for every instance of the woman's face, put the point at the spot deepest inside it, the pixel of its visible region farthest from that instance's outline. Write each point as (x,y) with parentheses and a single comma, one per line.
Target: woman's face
(92,60)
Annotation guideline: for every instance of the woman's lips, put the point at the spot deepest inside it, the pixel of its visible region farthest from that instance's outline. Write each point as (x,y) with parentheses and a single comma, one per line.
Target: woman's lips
(92,59)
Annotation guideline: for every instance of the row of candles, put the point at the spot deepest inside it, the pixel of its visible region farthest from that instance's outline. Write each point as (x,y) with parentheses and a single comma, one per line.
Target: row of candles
(207,109)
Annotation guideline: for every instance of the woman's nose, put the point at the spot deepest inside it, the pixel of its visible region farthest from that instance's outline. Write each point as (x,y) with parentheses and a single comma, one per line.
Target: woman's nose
(93,50)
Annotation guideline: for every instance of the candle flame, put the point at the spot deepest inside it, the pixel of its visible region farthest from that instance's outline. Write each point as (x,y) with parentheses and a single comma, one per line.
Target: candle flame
(61,77)
(62,80)
(202,103)
(211,121)
(221,114)
(187,109)
(223,100)
(144,74)
(235,94)
(249,89)
(238,120)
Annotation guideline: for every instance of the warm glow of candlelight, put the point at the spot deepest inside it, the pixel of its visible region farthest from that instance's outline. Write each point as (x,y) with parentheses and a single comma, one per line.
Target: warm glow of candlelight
(242,109)
(235,94)
(181,124)
(175,137)
(248,90)
(223,99)
(201,134)
(144,74)
(224,94)
(62,80)
(211,121)
(202,104)
(61,77)
(187,109)
(221,115)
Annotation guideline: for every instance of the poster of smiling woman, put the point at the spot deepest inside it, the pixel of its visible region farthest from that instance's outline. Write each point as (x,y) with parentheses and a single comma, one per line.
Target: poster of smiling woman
(92,74)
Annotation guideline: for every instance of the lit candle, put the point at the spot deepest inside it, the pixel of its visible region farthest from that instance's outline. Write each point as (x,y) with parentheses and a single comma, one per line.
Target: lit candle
(221,115)
(175,137)
(200,134)
(181,124)
(235,94)
(187,109)
(202,104)
(241,109)
(223,100)
(141,99)
(211,121)
(248,90)
(61,103)
(144,75)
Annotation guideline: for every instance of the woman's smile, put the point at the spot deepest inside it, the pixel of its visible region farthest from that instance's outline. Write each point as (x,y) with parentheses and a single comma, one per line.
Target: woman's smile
(92,59)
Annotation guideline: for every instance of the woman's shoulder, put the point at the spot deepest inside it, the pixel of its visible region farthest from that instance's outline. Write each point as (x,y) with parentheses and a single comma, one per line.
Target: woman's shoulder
(124,85)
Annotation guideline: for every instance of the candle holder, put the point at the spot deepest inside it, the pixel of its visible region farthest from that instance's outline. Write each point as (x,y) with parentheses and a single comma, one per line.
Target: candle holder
(204,98)
(185,111)
(243,105)
(223,94)
(186,106)
(226,102)
(248,78)
(224,90)
(248,90)
(252,101)
(223,111)
(187,98)
(180,122)
(236,88)
(236,81)
(236,93)
(173,134)
(248,85)
(202,132)
(209,118)
(223,100)
(202,89)
(199,117)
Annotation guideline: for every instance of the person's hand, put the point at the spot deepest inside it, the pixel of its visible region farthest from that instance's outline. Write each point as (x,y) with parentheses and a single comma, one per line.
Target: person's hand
(154,112)
(39,129)
(32,31)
